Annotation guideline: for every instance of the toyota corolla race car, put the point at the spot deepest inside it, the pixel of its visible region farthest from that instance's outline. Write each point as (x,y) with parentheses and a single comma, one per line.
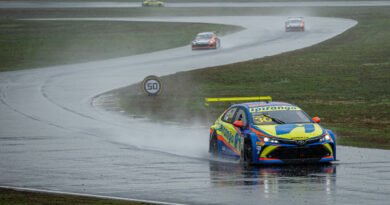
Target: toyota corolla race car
(295,24)
(206,40)
(270,133)
(152,3)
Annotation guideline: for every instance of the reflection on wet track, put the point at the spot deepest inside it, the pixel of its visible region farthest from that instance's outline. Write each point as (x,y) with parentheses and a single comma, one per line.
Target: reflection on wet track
(273,179)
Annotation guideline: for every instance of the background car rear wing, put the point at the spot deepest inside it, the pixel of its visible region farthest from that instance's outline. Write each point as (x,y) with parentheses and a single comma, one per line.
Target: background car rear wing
(238,99)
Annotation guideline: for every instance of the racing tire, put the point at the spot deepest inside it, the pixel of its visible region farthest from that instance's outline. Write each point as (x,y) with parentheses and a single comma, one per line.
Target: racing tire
(213,147)
(246,153)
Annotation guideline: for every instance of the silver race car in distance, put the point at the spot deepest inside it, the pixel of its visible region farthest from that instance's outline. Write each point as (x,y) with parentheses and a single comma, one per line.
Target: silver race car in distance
(206,40)
(295,24)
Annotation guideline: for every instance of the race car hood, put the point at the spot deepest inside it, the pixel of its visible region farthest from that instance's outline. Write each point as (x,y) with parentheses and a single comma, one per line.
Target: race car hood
(292,131)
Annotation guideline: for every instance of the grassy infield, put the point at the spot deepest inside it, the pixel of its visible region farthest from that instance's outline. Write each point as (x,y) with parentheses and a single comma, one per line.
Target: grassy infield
(343,80)
(36,44)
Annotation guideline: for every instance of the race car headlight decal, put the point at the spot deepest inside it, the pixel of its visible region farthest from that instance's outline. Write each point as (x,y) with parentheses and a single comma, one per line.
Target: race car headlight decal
(266,139)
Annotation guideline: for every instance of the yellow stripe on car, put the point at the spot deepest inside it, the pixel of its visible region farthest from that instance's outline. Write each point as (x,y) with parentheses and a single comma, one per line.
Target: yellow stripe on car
(268,150)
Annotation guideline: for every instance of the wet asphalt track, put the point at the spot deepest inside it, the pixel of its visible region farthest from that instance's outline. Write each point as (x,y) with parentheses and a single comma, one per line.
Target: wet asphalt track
(56,135)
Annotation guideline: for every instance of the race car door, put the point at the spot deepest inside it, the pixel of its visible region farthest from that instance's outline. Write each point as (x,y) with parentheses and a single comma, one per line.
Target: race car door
(240,116)
(231,135)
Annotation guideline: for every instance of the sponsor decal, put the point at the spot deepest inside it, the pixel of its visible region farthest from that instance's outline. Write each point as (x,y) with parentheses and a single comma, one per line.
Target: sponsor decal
(272,108)
(233,139)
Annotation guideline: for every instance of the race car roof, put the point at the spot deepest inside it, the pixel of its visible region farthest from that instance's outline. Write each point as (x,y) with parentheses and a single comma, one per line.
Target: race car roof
(206,33)
(295,19)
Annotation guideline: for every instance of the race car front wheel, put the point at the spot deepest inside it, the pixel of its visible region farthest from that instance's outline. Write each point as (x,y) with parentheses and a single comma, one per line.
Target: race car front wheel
(246,152)
(213,148)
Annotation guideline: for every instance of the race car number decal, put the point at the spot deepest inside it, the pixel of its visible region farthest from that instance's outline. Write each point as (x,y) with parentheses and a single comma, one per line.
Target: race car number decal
(262,119)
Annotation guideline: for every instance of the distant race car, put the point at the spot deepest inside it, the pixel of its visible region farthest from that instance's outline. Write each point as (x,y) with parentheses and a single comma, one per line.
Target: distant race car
(206,40)
(270,133)
(153,3)
(295,24)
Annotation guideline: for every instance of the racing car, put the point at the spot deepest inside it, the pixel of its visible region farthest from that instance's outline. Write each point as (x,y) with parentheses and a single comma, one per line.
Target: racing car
(153,3)
(267,132)
(206,40)
(295,24)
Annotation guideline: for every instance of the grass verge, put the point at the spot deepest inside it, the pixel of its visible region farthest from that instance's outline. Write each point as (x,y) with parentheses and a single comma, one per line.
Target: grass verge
(13,197)
(344,80)
(31,44)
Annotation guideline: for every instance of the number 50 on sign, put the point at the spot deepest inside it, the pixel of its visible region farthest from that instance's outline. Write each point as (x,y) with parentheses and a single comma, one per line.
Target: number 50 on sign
(152,85)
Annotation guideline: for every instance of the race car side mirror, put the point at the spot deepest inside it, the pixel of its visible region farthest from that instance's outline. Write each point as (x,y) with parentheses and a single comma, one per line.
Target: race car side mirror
(316,119)
(238,123)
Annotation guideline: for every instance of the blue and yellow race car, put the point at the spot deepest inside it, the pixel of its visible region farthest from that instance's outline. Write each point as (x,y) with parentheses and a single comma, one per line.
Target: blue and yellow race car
(268,132)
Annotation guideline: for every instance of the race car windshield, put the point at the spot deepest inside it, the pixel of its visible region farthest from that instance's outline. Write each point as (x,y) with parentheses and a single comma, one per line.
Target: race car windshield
(204,36)
(280,117)
(295,21)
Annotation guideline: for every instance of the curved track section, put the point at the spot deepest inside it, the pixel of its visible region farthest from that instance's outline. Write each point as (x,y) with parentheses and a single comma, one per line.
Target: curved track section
(54,136)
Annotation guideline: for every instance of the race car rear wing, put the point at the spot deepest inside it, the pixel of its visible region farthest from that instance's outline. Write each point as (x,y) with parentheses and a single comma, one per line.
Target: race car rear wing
(238,99)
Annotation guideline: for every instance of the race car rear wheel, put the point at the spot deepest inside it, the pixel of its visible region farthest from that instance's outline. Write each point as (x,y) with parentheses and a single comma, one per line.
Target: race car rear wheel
(213,147)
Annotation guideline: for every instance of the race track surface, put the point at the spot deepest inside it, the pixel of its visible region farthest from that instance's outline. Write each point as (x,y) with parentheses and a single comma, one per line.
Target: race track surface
(55,135)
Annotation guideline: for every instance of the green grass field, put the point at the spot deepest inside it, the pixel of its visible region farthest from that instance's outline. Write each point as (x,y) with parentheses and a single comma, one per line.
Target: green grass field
(344,80)
(12,197)
(31,44)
